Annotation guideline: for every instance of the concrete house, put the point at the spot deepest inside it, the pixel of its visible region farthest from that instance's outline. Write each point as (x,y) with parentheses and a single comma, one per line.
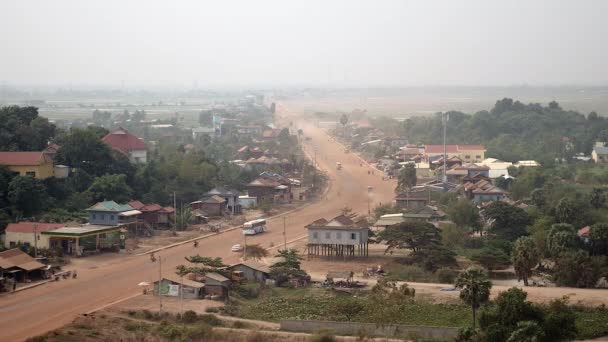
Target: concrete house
(412,199)
(600,153)
(174,286)
(36,164)
(109,213)
(130,145)
(231,197)
(340,236)
(466,153)
(29,234)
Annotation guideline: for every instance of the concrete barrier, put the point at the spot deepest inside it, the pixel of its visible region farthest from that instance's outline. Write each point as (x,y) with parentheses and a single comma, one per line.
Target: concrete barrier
(372,329)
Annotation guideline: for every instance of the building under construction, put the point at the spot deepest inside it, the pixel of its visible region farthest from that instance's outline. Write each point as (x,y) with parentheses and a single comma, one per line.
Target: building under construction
(342,236)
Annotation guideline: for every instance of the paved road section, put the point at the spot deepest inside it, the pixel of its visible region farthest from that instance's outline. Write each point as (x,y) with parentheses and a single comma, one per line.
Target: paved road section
(108,278)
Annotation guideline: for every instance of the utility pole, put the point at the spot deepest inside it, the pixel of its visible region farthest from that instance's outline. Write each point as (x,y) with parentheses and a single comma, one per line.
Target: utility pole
(284,233)
(160,282)
(445,118)
(175,216)
(35,240)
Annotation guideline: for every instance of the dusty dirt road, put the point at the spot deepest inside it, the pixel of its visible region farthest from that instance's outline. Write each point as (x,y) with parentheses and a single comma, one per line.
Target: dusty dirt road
(105,279)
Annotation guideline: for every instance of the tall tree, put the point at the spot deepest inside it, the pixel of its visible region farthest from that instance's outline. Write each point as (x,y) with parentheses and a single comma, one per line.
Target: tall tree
(562,237)
(525,257)
(21,129)
(27,194)
(465,214)
(598,236)
(474,288)
(202,265)
(83,149)
(510,222)
(410,235)
(406,178)
(111,187)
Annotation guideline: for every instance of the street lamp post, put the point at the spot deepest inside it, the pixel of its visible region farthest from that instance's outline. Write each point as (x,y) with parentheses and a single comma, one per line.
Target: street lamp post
(284,233)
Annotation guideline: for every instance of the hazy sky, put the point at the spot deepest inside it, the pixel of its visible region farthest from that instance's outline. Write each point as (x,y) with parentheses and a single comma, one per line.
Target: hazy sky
(259,42)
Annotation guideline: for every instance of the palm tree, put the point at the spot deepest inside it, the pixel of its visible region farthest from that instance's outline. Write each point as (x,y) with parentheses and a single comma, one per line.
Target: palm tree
(474,288)
(525,257)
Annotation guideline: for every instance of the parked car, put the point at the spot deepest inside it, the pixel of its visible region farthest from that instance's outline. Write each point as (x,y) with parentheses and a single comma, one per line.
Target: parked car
(237,248)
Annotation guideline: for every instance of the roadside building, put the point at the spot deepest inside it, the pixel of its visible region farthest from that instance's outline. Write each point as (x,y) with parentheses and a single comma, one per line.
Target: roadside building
(130,145)
(110,213)
(174,286)
(467,153)
(248,202)
(230,196)
(28,234)
(213,206)
(341,236)
(19,266)
(413,199)
(252,270)
(216,285)
(79,240)
(35,164)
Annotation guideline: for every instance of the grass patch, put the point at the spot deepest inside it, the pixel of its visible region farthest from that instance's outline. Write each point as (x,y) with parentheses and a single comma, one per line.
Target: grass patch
(591,322)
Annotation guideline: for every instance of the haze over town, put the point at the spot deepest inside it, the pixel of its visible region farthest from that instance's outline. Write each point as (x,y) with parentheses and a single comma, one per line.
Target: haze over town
(313,171)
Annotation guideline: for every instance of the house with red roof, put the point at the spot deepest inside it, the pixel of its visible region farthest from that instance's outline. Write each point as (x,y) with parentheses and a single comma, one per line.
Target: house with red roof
(35,164)
(130,145)
(28,233)
(153,214)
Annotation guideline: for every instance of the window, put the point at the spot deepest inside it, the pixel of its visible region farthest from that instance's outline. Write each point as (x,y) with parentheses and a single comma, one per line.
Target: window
(102,216)
(328,235)
(13,244)
(112,217)
(315,235)
(339,235)
(478,157)
(353,236)
(94,216)
(31,173)
(26,244)
(102,235)
(467,157)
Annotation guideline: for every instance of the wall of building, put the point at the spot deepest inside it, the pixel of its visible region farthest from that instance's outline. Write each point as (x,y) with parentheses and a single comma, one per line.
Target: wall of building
(42,171)
(43,240)
(250,274)
(411,332)
(138,156)
(337,236)
(103,218)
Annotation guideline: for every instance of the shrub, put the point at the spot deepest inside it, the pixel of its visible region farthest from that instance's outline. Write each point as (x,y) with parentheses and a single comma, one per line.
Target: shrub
(323,336)
(189,316)
(239,325)
(210,319)
(147,314)
(247,292)
(446,275)
(408,273)
(212,309)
